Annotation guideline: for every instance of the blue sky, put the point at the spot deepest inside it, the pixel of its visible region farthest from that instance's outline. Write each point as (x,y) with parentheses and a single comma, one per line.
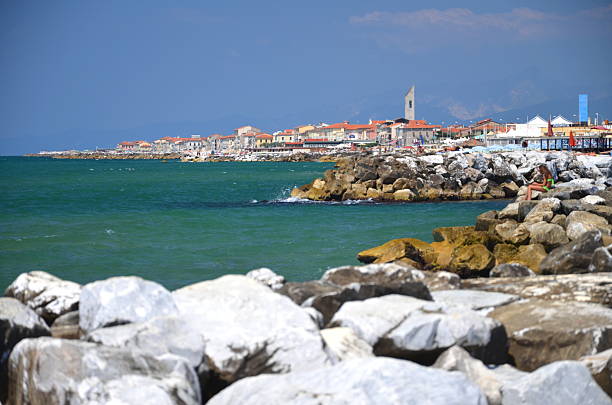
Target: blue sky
(91,73)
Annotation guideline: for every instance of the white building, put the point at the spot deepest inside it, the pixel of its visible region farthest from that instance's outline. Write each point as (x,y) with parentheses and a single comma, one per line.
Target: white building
(533,127)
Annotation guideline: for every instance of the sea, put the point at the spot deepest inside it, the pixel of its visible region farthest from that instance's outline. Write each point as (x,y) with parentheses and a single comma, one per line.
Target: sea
(180,223)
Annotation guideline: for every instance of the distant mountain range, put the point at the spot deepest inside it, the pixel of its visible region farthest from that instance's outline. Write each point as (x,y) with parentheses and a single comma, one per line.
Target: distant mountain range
(516,98)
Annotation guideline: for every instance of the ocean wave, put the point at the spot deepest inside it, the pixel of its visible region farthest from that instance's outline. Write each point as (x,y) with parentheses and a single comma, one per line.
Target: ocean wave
(292,200)
(22,238)
(296,200)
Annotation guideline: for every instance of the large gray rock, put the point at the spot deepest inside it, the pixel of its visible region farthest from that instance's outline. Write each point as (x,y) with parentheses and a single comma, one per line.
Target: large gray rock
(267,277)
(249,329)
(17,322)
(541,332)
(367,381)
(121,300)
(593,288)
(600,367)
(47,371)
(511,270)
(602,259)
(406,327)
(489,381)
(559,383)
(581,222)
(604,211)
(343,344)
(570,205)
(511,211)
(544,210)
(441,280)
(473,299)
(593,199)
(327,298)
(574,257)
(158,337)
(524,208)
(379,274)
(46,294)
(549,235)
(66,326)
(512,232)
(489,219)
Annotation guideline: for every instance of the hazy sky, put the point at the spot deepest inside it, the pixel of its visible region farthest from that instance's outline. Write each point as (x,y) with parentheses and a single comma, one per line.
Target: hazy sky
(90,73)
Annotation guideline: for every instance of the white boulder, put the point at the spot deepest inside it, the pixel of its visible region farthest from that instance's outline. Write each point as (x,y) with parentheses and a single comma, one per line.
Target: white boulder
(121,300)
(368,381)
(49,296)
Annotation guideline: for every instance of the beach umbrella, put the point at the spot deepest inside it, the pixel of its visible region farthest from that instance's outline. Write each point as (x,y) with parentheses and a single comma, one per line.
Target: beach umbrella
(550,131)
(572,140)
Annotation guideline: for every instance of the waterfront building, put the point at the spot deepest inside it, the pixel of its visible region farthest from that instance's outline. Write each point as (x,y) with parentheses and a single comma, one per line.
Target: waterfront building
(134,147)
(320,144)
(532,128)
(227,144)
(263,140)
(344,131)
(413,132)
(282,137)
(486,126)
(127,146)
(454,131)
(304,128)
(577,130)
(246,129)
(560,121)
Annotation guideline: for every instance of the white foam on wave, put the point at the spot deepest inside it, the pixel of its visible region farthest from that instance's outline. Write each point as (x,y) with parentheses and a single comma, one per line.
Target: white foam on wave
(296,200)
(293,200)
(110,231)
(22,238)
(354,202)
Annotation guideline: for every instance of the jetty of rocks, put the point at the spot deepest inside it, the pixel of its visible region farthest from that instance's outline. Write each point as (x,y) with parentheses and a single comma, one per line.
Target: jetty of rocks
(108,156)
(449,176)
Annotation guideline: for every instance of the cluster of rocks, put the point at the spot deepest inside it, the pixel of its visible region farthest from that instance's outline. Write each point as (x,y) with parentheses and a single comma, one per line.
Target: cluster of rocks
(567,230)
(448,176)
(379,333)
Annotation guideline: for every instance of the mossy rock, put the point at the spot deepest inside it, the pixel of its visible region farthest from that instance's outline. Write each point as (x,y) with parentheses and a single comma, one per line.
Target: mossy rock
(528,255)
(472,260)
(396,249)
(464,236)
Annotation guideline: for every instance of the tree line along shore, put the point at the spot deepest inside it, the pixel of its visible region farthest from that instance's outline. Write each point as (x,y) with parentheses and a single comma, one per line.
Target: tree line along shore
(516,309)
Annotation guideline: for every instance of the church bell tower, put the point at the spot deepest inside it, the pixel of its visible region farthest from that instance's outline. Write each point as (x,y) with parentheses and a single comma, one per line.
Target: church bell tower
(409,104)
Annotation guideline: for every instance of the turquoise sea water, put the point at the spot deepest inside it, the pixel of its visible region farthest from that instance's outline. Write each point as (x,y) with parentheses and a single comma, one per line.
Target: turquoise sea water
(179,223)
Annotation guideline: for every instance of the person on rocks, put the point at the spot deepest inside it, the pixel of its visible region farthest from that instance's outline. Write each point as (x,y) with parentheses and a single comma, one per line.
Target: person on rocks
(548,182)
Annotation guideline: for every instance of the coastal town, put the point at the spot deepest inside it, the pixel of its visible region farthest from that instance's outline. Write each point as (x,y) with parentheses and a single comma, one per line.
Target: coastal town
(404,133)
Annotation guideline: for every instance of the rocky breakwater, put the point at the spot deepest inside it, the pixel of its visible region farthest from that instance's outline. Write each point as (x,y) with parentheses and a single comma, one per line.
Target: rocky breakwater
(378,333)
(448,176)
(108,156)
(566,230)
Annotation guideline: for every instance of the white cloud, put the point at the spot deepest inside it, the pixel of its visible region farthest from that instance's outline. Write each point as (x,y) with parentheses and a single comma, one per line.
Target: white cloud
(517,24)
